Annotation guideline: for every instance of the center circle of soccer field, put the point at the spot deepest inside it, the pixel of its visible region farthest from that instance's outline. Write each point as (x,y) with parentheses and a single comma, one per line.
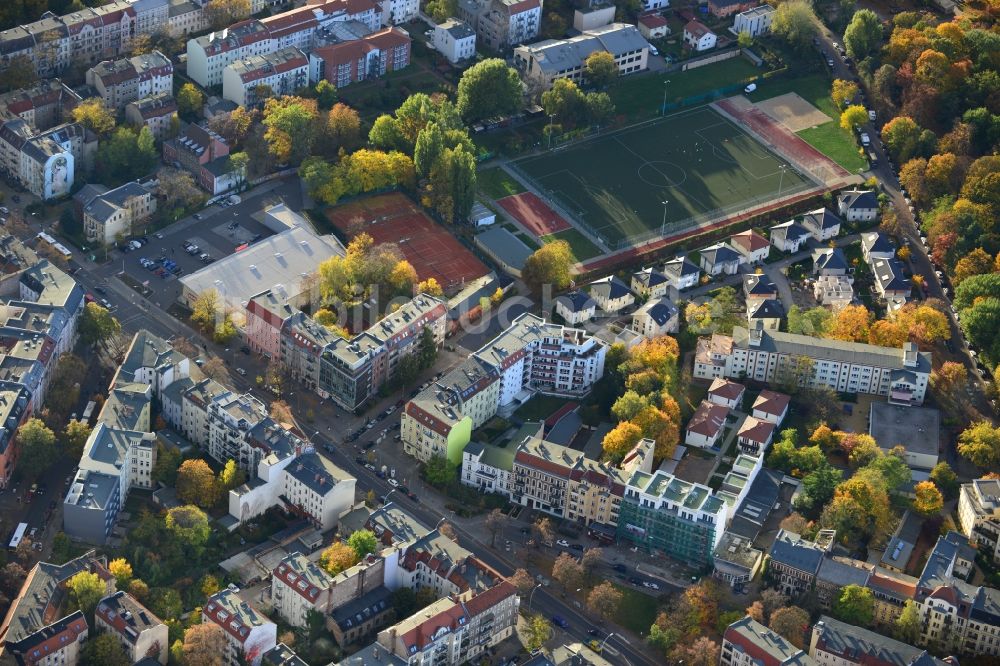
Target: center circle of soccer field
(661,174)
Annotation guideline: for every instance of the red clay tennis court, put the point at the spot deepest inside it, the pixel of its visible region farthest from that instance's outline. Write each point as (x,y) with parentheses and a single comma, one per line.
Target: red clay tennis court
(393,218)
(534,214)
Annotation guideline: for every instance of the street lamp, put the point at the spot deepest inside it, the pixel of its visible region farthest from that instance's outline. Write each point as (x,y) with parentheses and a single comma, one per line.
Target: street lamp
(552,120)
(606,639)
(663,109)
(532,595)
(385,498)
(663,225)
(781,178)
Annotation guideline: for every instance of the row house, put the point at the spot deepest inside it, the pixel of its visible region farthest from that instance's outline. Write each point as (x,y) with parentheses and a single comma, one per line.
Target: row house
(371,57)
(39,627)
(186,17)
(158,113)
(210,54)
(795,561)
(531,356)
(454,630)
(119,82)
(348,371)
(250,81)
(836,642)
(747,642)
(85,36)
(298,586)
(848,367)
(142,635)
(249,634)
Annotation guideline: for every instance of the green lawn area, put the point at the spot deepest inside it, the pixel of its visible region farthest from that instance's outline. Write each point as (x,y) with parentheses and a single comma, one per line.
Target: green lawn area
(497,183)
(828,138)
(639,96)
(837,144)
(637,611)
(527,240)
(540,408)
(581,246)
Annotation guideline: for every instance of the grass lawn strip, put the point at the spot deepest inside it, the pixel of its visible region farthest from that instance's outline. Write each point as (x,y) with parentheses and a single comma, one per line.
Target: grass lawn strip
(581,246)
(497,183)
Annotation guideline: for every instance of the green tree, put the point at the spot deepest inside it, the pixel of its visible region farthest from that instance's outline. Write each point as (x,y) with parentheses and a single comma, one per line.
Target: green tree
(856,605)
(38,448)
(97,325)
(909,625)
(196,483)
(205,309)
(441,10)
(238,165)
(944,477)
(902,138)
(600,69)
(453,184)
(539,631)
(566,102)
(86,589)
(291,127)
(487,89)
(853,116)
(814,321)
(189,525)
(225,330)
(104,650)
(92,114)
(429,146)
(231,476)
(439,472)
(168,461)
(326,94)
(74,437)
(796,23)
(166,603)
(863,36)
(190,100)
(551,265)
(892,468)
(362,543)
(818,486)
(980,443)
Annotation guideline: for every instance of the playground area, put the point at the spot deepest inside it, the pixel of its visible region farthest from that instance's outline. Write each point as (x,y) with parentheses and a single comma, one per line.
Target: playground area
(629,187)
(429,247)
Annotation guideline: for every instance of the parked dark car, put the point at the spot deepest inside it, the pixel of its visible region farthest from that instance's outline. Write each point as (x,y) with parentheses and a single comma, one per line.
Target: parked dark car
(619,567)
(560,621)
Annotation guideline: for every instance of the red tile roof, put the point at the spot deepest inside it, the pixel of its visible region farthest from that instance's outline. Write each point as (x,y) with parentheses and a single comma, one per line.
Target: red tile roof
(756,430)
(708,419)
(696,28)
(749,241)
(726,389)
(771,402)
(652,20)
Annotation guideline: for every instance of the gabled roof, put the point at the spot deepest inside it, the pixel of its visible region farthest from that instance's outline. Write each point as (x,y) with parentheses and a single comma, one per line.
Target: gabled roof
(858,199)
(610,288)
(749,241)
(758,285)
(660,310)
(889,275)
(876,241)
(680,267)
(829,259)
(768,308)
(576,301)
(791,231)
(726,389)
(771,402)
(821,218)
(719,254)
(697,29)
(756,430)
(708,419)
(649,277)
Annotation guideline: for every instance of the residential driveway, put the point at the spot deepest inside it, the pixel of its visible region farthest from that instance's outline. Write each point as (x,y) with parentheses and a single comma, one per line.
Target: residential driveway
(780,281)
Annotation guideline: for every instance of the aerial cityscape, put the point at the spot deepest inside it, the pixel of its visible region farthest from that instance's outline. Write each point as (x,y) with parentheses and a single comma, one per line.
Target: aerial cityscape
(497,332)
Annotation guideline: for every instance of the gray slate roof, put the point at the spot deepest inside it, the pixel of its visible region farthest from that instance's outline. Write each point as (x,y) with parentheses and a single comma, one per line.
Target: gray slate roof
(792,550)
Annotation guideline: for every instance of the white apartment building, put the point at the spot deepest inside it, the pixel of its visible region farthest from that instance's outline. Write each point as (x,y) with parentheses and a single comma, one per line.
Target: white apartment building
(140,632)
(397,12)
(119,82)
(280,73)
(502,24)
(299,585)
(979,515)
(456,40)
(487,468)
(755,22)
(209,55)
(531,356)
(682,273)
(544,62)
(858,205)
(230,418)
(249,634)
(847,367)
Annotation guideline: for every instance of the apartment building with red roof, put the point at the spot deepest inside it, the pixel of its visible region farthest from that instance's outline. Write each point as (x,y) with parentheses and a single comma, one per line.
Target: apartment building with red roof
(354,61)
(141,633)
(249,81)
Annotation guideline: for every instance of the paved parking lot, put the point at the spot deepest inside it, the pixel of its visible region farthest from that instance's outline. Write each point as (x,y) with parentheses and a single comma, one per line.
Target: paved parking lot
(218,233)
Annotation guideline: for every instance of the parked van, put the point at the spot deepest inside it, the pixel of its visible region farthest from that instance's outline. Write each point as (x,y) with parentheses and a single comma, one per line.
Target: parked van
(750,88)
